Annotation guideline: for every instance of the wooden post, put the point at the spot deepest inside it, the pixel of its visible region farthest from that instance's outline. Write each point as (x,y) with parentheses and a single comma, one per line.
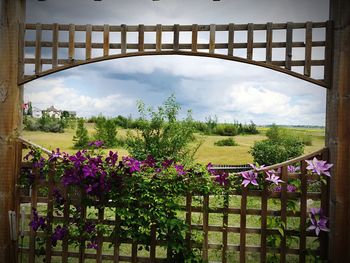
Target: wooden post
(338,132)
(12,13)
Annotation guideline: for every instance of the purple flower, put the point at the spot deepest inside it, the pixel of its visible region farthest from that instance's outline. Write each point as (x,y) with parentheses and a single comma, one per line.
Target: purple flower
(180,170)
(92,245)
(58,197)
(222,179)
(256,168)
(133,164)
(290,188)
(150,161)
(273,178)
(55,155)
(96,144)
(89,227)
(278,171)
(249,178)
(112,158)
(77,159)
(90,170)
(58,234)
(319,167)
(209,169)
(293,169)
(318,221)
(166,163)
(70,177)
(38,221)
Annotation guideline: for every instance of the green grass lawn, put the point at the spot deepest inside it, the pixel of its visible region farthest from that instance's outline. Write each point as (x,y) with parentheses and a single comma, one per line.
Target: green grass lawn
(206,153)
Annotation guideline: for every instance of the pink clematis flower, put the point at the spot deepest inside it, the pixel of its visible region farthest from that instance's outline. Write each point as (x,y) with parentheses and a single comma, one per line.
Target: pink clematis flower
(273,178)
(249,178)
(319,167)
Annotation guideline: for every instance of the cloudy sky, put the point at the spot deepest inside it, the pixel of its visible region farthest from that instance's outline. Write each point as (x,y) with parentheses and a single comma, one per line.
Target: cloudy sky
(229,90)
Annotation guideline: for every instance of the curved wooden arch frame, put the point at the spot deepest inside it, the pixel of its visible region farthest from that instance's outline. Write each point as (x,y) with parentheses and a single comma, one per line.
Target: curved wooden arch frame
(180,53)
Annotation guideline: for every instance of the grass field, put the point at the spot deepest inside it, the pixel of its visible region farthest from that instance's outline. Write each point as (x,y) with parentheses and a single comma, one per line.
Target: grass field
(206,153)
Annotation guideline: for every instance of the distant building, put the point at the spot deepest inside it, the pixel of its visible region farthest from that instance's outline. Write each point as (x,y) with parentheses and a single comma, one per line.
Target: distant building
(53,112)
(37,113)
(72,114)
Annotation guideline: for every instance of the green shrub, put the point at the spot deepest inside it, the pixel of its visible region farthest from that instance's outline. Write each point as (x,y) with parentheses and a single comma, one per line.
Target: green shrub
(106,131)
(226,142)
(226,130)
(306,139)
(276,133)
(270,152)
(248,128)
(45,124)
(161,135)
(81,137)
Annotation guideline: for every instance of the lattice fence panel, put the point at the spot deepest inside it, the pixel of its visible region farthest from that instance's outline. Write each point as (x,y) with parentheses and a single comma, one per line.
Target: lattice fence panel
(233,227)
(298,49)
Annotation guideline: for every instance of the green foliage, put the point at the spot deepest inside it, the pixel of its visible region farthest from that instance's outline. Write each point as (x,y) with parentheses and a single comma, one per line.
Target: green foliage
(226,142)
(281,146)
(145,198)
(81,138)
(106,131)
(45,123)
(110,133)
(161,135)
(276,133)
(226,129)
(270,152)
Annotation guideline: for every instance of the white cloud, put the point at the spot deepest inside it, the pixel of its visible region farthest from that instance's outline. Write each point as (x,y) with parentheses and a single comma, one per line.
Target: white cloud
(46,92)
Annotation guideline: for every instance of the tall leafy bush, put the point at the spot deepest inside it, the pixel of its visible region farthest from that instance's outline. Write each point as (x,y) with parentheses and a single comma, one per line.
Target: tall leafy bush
(160,133)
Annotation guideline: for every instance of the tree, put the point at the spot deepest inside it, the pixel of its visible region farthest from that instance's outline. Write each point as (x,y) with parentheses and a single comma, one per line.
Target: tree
(30,109)
(81,138)
(161,135)
(100,131)
(110,133)
(106,131)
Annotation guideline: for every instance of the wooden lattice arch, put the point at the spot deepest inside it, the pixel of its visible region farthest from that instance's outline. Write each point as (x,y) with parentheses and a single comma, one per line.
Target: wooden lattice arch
(204,45)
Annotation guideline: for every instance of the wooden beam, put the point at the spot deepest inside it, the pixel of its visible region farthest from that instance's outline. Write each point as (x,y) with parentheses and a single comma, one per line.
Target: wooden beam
(308,49)
(176,37)
(159,38)
(194,38)
(12,14)
(268,42)
(250,37)
(337,132)
(231,39)
(123,39)
(38,49)
(212,39)
(71,47)
(55,45)
(289,40)
(141,44)
(106,40)
(88,38)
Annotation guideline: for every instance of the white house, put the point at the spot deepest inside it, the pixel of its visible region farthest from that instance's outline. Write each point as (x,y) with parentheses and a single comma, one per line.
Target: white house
(53,112)
(36,112)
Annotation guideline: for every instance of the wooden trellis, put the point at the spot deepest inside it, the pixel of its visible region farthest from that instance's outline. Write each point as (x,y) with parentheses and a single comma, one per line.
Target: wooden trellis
(205,211)
(292,48)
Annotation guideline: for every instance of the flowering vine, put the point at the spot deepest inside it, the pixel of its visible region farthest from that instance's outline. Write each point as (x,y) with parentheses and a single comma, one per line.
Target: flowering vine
(146,192)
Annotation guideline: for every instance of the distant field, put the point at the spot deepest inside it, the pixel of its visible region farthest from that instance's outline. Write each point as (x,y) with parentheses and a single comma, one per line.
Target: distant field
(207,152)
